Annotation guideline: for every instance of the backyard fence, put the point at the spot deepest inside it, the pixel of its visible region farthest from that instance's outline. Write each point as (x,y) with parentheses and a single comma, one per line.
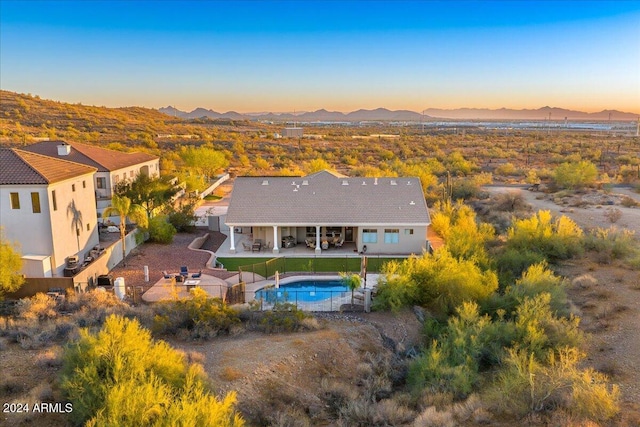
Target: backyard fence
(251,273)
(305,300)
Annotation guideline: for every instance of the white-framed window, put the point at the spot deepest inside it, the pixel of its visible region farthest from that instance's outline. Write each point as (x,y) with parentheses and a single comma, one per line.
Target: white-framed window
(369,235)
(408,231)
(391,235)
(101,182)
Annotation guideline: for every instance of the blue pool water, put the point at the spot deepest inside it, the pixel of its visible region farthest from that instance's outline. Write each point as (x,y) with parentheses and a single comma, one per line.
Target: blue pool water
(303,291)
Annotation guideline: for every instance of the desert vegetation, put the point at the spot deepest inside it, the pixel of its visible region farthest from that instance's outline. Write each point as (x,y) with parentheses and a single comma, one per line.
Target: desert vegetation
(500,340)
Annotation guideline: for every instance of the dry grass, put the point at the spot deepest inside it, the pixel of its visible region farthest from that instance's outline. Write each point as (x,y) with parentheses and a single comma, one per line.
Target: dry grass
(230,374)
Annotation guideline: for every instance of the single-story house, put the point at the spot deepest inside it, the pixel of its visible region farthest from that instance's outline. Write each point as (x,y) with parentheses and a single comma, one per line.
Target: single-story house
(376,215)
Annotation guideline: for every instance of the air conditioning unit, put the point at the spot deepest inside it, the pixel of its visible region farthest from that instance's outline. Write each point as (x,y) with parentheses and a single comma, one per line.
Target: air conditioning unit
(72,261)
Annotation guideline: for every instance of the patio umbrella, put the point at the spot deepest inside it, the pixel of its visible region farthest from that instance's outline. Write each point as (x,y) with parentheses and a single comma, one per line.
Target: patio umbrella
(277,279)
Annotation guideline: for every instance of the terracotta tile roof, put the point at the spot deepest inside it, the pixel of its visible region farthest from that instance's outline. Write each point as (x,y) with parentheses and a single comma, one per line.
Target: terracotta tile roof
(23,167)
(101,158)
(328,199)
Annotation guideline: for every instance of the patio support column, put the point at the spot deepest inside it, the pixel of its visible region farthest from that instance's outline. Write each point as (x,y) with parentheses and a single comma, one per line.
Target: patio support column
(275,239)
(318,250)
(232,249)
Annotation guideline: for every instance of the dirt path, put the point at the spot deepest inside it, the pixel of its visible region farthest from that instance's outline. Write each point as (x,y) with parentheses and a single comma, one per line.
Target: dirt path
(589,216)
(607,298)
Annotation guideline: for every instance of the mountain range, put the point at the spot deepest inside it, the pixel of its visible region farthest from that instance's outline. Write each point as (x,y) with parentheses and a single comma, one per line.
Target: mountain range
(383,114)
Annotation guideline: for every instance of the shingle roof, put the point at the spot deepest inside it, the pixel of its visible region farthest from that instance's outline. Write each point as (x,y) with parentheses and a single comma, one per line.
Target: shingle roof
(23,167)
(327,199)
(101,158)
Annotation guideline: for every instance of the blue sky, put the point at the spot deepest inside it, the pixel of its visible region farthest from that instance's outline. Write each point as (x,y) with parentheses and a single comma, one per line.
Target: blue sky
(252,56)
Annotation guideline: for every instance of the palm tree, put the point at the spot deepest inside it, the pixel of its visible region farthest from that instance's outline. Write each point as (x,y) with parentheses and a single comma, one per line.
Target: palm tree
(122,207)
(76,220)
(351,281)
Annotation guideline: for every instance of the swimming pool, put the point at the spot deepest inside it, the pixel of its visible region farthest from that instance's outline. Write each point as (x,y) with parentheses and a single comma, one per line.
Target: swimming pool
(303,291)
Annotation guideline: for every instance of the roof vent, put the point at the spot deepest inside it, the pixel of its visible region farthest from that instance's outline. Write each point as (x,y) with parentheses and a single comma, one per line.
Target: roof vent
(64,149)
(364,182)
(293,183)
(408,182)
(345,182)
(305,182)
(412,203)
(393,182)
(375,181)
(265,182)
(295,189)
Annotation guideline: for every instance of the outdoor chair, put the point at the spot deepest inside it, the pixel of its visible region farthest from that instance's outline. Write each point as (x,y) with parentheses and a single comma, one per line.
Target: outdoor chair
(246,246)
(339,243)
(196,275)
(184,271)
(267,247)
(166,275)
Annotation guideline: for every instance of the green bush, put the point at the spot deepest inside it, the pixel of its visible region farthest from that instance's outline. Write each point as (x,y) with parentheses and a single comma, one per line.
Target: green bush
(160,230)
(120,376)
(283,317)
(439,281)
(556,239)
(575,175)
(539,279)
(201,316)
(611,243)
(528,386)
(468,344)
(512,262)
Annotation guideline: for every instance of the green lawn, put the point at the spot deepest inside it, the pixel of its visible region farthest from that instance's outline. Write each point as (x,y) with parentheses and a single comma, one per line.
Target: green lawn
(267,268)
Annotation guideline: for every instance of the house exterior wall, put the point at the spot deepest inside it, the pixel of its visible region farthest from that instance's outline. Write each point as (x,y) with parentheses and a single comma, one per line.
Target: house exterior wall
(408,242)
(66,240)
(49,232)
(112,178)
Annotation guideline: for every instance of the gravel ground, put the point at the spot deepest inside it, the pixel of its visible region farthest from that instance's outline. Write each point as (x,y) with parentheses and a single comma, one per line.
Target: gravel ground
(171,257)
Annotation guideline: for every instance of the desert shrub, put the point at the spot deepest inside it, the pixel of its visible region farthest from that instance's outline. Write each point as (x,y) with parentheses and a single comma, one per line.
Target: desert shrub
(465,238)
(510,202)
(613,215)
(556,239)
(439,281)
(536,280)
(93,307)
(201,316)
(120,376)
(527,385)
(511,263)
(611,243)
(161,230)
(38,307)
(284,317)
(468,344)
(575,175)
(628,202)
(538,329)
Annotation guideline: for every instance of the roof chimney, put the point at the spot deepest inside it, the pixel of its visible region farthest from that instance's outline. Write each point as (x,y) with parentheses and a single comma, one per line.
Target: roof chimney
(64,149)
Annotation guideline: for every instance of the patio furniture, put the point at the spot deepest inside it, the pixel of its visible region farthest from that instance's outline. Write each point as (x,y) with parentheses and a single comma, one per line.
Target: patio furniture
(179,278)
(267,247)
(191,284)
(339,243)
(288,242)
(196,275)
(184,271)
(325,244)
(167,275)
(257,246)
(246,246)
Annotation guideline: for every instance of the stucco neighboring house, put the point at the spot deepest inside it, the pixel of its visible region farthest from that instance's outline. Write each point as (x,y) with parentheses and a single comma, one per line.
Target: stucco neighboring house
(111,166)
(377,215)
(48,207)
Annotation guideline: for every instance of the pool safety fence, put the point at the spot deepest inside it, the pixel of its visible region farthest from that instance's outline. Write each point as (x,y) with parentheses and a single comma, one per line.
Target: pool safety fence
(312,300)
(256,272)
